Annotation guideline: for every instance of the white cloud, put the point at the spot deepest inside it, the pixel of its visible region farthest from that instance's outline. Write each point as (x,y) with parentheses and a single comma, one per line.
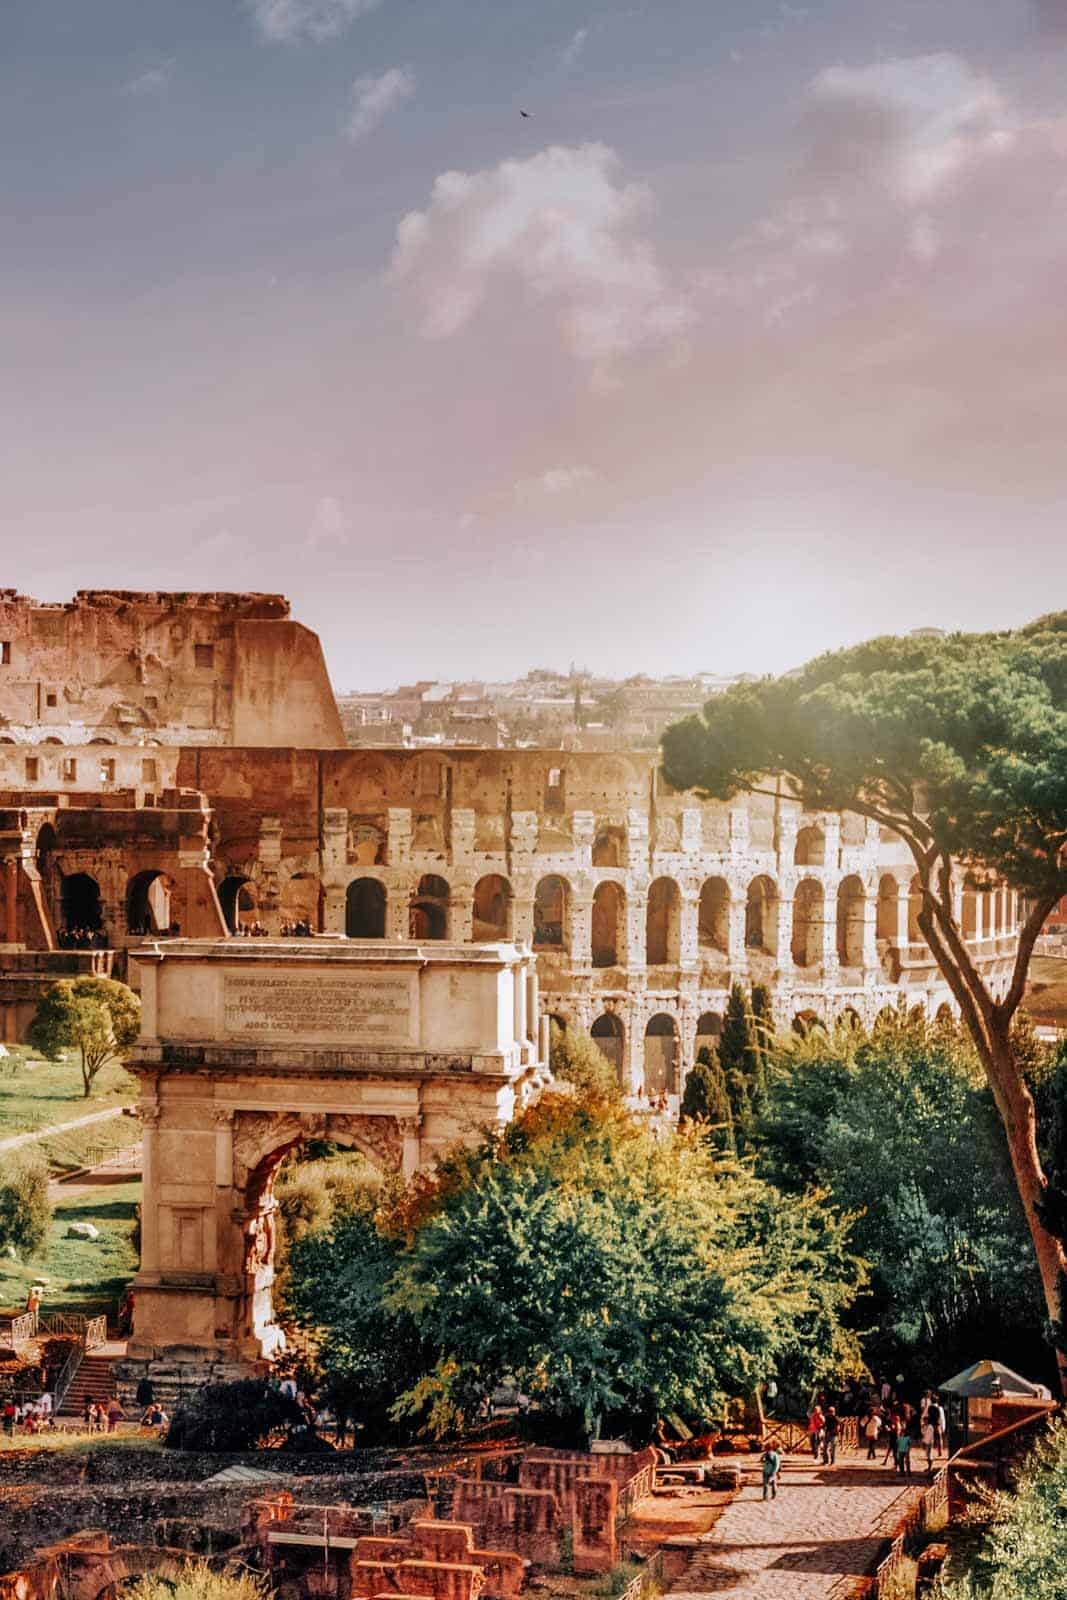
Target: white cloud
(285,20)
(330,524)
(573,53)
(559,226)
(554,483)
(374,98)
(152,82)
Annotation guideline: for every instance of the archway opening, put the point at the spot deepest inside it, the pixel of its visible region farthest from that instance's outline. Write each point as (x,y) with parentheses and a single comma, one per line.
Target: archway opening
(808,921)
(609,846)
(661,1055)
(851,915)
(810,849)
(886,929)
(709,1031)
(610,1038)
(661,923)
(365,909)
(429,908)
(550,913)
(82,911)
(608,924)
(713,916)
(807,1022)
(492,909)
(148,903)
(761,916)
(237,897)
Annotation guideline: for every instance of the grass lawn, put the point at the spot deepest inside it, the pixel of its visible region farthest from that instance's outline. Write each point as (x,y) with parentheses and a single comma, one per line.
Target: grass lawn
(35,1093)
(84,1275)
(82,1444)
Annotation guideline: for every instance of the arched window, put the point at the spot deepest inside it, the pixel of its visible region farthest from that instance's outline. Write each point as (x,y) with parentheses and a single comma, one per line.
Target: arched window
(492,909)
(610,1037)
(237,897)
(550,913)
(810,850)
(429,908)
(713,916)
(608,847)
(661,923)
(851,911)
(365,909)
(808,919)
(806,1021)
(887,908)
(709,1031)
(661,1055)
(80,901)
(609,924)
(761,916)
(148,903)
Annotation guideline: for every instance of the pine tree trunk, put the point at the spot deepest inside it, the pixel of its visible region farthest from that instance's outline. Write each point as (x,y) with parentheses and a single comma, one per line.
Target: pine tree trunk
(1019,1116)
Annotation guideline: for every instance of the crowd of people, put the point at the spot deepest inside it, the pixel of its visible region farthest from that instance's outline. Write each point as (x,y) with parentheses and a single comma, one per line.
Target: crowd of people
(251,930)
(145,929)
(300,929)
(29,1416)
(82,939)
(886,1421)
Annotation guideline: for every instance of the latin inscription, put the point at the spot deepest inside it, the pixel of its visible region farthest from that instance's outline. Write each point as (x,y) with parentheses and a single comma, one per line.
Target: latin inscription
(343,1009)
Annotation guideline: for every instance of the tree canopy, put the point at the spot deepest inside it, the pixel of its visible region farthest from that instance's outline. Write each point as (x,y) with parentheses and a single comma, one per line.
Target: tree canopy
(958,746)
(98,1017)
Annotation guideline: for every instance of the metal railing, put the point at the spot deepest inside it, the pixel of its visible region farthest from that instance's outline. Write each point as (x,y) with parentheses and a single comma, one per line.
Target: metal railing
(68,1372)
(95,1332)
(651,1574)
(21,1329)
(930,1508)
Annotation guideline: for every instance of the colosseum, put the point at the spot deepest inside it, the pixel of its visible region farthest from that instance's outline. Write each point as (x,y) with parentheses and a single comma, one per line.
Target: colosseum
(175,763)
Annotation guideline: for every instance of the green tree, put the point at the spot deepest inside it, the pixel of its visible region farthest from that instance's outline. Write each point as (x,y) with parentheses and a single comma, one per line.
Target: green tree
(763,1023)
(98,1017)
(576,1058)
(25,1209)
(742,1065)
(1023,1555)
(958,746)
(615,1275)
(234,1416)
(705,1099)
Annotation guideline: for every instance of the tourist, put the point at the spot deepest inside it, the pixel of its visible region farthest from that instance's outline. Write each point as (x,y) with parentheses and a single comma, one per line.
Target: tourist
(33,1301)
(892,1434)
(114,1414)
(89,1414)
(7,1416)
(830,1430)
(936,1416)
(872,1427)
(145,1392)
(44,1406)
(815,1427)
(928,1437)
(772,1466)
(903,1451)
(155,1416)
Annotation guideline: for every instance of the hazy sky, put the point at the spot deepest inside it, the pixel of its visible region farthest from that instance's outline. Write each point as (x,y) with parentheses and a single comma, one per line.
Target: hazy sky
(751,339)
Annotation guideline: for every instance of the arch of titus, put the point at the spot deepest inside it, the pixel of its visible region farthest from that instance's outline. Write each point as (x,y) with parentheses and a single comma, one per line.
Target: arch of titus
(249,1048)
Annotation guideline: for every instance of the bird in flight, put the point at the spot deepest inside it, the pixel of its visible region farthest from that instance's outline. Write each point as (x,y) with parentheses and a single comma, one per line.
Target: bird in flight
(524,113)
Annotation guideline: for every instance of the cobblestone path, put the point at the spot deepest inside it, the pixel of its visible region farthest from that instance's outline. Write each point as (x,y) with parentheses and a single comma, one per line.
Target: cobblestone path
(825,1530)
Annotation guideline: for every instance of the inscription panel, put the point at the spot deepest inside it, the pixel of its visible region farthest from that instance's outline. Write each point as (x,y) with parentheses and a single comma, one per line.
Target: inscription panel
(370,1007)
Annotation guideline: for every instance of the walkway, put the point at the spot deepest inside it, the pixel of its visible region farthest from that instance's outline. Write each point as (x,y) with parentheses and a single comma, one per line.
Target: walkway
(60,1127)
(826,1529)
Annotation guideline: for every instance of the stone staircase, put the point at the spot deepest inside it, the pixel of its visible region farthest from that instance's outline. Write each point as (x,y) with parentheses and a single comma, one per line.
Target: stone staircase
(94,1378)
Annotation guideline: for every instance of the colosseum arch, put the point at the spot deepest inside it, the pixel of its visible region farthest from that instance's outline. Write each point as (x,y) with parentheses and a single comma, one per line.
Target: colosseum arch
(492,909)
(661,1054)
(238,899)
(851,917)
(709,1031)
(886,928)
(428,912)
(761,916)
(610,1036)
(809,917)
(80,902)
(551,913)
(713,916)
(810,848)
(609,846)
(662,923)
(608,924)
(148,902)
(365,909)
(807,1022)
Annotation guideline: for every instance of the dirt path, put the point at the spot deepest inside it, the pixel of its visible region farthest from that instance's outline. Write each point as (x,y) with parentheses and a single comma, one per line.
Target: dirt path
(825,1530)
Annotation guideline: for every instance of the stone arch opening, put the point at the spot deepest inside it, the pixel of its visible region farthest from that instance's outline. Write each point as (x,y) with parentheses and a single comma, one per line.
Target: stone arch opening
(365,909)
(609,847)
(80,903)
(886,927)
(851,915)
(550,913)
(428,917)
(809,917)
(608,924)
(887,1017)
(851,1018)
(806,1022)
(713,916)
(610,1037)
(148,902)
(492,909)
(709,1031)
(661,1054)
(662,919)
(944,1015)
(262,1142)
(761,916)
(915,905)
(237,897)
(810,848)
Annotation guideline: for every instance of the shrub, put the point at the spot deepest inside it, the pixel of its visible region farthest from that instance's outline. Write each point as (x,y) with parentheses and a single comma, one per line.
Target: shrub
(196,1581)
(25,1209)
(244,1415)
(576,1058)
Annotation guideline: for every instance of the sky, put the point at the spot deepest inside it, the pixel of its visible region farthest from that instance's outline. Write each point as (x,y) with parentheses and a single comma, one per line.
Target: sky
(748,341)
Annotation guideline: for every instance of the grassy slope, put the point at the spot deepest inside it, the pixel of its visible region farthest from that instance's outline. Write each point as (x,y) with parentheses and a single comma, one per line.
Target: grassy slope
(81,1274)
(37,1095)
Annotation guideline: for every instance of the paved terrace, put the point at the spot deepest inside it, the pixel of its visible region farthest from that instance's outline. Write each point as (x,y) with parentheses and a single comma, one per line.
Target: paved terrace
(823,1533)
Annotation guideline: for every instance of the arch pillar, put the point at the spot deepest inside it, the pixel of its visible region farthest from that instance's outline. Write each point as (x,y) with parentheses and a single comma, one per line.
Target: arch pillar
(688,926)
(333,910)
(785,933)
(397,915)
(522,918)
(737,952)
(581,946)
(636,916)
(461,913)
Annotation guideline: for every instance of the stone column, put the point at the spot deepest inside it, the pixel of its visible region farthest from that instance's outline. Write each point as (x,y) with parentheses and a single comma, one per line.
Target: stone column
(11,901)
(636,916)
(785,933)
(224,1147)
(737,952)
(411,1153)
(581,930)
(689,916)
(903,897)
(149,1114)
(461,914)
(397,912)
(871,964)
(333,911)
(518,983)
(522,919)
(533,1003)
(830,963)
